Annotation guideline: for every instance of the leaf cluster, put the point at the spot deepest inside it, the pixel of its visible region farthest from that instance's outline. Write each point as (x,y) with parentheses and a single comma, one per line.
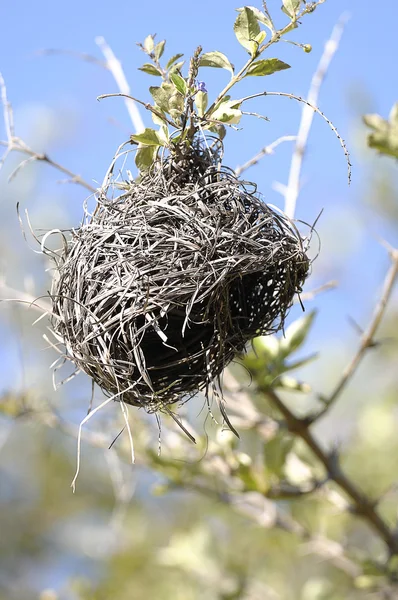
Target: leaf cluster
(180,103)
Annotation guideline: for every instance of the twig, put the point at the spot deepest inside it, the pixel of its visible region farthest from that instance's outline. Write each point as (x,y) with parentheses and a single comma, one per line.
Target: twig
(293,187)
(367,337)
(266,150)
(14,143)
(80,55)
(310,295)
(115,67)
(145,104)
(276,36)
(364,507)
(24,298)
(314,108)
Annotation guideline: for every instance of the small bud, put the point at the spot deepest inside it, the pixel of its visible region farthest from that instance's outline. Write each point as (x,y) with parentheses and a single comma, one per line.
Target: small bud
(307,48)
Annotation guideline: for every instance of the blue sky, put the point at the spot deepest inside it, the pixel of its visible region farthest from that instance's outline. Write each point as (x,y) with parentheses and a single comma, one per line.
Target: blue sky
(54,98)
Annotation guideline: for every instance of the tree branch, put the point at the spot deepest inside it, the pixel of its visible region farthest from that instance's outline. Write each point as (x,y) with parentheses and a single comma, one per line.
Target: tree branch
(292,189)
(115,67)
(266,150)
(364,507)
(367,337)
(14,143)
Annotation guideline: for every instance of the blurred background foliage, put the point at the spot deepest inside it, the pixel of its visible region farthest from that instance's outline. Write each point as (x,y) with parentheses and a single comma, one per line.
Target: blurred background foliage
(256,518)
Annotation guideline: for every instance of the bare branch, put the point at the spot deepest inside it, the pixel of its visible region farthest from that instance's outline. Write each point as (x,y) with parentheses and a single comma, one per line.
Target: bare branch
(314,108)
(311,294)
(115,67)
(293,187)
(145,104)
(364,507)
(367,337)
(14,143)
(266,150)
(24,298)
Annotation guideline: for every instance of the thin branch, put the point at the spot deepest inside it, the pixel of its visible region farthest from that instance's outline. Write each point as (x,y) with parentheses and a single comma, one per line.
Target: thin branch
(311,294)
(266,150)
(313,108)
(115,67)
(24,298)
(364,507)
(80,55)
(367,337)
(293,187)
(145,104)
(14,143)
(276,36)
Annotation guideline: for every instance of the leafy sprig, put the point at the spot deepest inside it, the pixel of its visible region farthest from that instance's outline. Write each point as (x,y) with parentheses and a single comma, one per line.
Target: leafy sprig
(180,103)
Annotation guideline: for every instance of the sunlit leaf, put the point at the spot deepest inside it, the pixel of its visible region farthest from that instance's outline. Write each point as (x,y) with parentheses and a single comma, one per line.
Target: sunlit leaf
(162,95)
(290,8)
(172,60)
(163,134)
(276,451)
(296,334)
(218,129)
(384,137)
(159,49)
(149,137)
(150,69)
(260,16)
(246,29)
(179,83)
(201,100)
(291,384)
(176,67)
(228,112)
(266,67)
(217,60)
(145,156)
(149,43)
(176,105)
(155,118)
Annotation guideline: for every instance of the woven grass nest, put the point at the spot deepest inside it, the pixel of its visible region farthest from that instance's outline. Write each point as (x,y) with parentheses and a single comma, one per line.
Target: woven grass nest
(161,287)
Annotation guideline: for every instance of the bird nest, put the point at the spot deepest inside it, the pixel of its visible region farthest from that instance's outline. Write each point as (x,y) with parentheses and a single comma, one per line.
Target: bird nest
(160,288)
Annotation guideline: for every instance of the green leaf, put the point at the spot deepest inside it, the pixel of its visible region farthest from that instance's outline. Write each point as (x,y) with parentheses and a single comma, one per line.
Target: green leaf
(266,67)
(176,105)
(145,157)
(290,8)
(149,43)
(384,137)
(260,37)
(300,363)
(296,334)
(246,29)
(201,100)
(162,95)
(176,67)
(179,83)
(157,120)
(228,112)
(150,69)
(217,60)
(260,16)
(218,129)
(159,49)
(276,452)
(266,347)
(291,384)
(164,134)
(149,137)
(172,60)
